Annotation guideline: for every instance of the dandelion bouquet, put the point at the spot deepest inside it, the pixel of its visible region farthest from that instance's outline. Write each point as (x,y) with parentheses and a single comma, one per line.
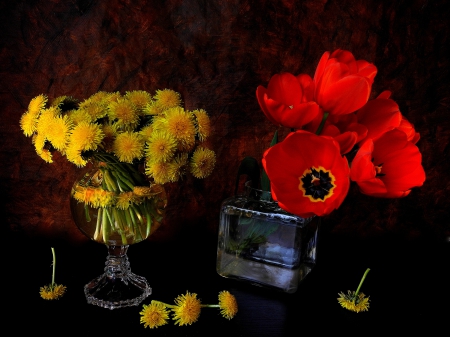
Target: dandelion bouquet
(137,142)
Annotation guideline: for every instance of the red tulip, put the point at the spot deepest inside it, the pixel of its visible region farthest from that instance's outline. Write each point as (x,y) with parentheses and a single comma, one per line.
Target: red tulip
(308,175)
(388,167)
(287,101)
(409,130)
(379,115)
(342,84)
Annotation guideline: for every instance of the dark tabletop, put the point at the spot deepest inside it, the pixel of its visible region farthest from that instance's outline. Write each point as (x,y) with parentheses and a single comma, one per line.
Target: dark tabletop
(408,287)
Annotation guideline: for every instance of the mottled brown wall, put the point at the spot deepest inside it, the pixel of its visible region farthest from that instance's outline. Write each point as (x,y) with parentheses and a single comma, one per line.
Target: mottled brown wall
(215,53)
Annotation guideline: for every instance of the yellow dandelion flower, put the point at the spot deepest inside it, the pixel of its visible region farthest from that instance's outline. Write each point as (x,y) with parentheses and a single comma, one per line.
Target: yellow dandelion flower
(146,132)
(139,98)
(98,97)
(59,131)
(110,97)
(180,124)
(52,291)
(95,197)
(152,109)
(160,147)
(46,155)
(180,165)
(86,136)
(187,309)
(154,315)
(202,162)
(124,111)
(128,146)
(228,304)
(74,155)
(46,119)
(167,98)
(161,172)
(37,104)
(109,130)
(352,302)
(124,200)
(95,110)
(202,123)
(28,124)
(39,140)
(78,116)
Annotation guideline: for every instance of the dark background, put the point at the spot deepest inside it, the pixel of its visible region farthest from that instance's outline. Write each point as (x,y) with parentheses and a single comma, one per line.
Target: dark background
(215,53)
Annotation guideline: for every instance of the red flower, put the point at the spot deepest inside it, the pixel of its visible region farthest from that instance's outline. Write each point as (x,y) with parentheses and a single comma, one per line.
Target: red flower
(342,85)
(287,101)
(409,130)
(380,115)
(308,175)
(388,167)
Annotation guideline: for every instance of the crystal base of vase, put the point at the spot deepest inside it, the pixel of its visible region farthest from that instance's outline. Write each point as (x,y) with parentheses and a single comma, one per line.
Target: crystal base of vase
(118,287)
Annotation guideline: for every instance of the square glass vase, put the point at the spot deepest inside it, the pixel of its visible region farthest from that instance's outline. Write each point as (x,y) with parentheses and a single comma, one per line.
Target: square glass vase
(260,243)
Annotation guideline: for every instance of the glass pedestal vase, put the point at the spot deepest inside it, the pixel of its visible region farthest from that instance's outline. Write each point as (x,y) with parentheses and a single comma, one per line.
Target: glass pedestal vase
(113,204)
(262,244)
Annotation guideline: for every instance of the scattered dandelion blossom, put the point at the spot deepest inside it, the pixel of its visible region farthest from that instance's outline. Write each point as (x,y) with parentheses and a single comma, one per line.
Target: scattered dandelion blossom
(124,200)
(202,162)
(161,172)
(128,146)
(28,124)
(74,155)
(146,132)
(52,291)
(167,98)
(78,116)
(187,309)
(228,304)
(352,302)
(154,315)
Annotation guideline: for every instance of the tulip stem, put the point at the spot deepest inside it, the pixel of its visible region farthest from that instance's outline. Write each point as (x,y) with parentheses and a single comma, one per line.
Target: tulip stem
(322,123)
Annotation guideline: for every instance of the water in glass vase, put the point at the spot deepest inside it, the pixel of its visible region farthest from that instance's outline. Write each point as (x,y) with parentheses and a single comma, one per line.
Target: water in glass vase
(262,244)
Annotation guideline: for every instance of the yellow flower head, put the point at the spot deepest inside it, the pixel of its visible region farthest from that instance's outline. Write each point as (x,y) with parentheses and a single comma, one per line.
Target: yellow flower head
(78,116)
(160,147)
(46,119)
(124,111)
(95,197)
(128,146)
(228,304)
(187,309)
(354,303)
(202,162)
(86,136)
(37,104)
(95,110)
(202,123)
(146,132)
(139,98)
(29,120)
(180,124)
(152,109)
(167,98)
(125,199)
(180,165)
(161,172)
(52,291)
(154,315)
(46,155)
(59,131)
(73,155)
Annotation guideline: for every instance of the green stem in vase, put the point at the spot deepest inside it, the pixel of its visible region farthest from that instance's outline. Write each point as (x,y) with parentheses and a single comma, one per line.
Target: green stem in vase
(105,222)
(98,227)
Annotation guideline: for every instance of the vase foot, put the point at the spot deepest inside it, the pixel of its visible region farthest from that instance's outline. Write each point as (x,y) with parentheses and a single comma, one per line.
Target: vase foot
(114,293)
(118,287)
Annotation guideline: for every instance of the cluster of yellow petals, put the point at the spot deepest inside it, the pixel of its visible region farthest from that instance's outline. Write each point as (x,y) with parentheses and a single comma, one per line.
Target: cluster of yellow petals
(94,196)
(186,310)
(133,126)
(52,291)
(354,303)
